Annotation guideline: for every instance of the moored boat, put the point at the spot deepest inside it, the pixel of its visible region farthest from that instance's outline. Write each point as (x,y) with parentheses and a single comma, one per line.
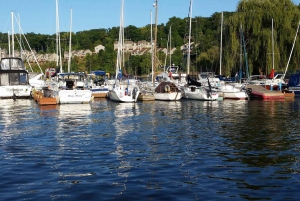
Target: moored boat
(167,91)
(14,79)
(73,88)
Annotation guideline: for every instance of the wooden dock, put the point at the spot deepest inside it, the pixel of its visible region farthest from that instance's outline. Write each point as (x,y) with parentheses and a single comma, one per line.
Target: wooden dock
(262,93)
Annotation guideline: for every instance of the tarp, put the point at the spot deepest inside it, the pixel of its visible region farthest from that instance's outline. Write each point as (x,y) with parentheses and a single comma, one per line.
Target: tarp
(99,72)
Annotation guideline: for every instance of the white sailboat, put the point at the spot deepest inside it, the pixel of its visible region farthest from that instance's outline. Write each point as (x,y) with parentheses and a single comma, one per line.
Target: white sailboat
(193,89)
(166,90)
(230,91)
(123,90)
(73,87)
(146,87)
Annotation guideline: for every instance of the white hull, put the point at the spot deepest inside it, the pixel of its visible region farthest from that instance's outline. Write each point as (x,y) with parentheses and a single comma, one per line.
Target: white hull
(172,96)
(17,91)
(74,96)
(120,95)
(231,92)
(200,94)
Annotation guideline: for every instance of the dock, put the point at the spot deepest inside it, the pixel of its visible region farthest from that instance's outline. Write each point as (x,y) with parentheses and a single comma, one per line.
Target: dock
(262,93)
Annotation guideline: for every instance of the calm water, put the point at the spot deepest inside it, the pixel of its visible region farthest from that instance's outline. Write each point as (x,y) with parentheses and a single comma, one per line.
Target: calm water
(184,150)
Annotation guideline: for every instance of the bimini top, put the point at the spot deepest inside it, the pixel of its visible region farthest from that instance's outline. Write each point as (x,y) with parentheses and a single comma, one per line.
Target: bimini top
(98,72)
(12,63)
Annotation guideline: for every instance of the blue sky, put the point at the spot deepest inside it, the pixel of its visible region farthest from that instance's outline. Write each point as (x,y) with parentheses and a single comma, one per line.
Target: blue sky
(38,16)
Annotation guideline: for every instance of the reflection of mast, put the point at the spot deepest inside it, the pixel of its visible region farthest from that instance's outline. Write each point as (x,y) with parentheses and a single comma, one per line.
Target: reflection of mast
(155,37)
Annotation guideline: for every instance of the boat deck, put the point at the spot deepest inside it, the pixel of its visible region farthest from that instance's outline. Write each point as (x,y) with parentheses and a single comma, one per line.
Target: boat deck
(263,93)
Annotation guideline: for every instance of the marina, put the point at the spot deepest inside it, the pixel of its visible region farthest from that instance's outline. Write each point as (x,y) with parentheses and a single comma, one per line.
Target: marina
(158,150)
(144,113)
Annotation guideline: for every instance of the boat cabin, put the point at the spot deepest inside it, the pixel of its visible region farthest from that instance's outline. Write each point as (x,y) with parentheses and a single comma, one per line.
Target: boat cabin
(71,81)
(12,72)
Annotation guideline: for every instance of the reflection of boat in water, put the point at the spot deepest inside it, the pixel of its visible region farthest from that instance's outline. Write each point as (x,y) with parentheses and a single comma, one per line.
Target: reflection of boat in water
(11,112)
(123,112)
(82,111)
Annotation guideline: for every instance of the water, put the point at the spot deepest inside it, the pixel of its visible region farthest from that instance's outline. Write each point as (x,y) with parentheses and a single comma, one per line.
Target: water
(184,150)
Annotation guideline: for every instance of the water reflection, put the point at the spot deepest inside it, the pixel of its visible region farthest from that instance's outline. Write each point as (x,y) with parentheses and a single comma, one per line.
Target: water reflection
(124,125)
(184,150)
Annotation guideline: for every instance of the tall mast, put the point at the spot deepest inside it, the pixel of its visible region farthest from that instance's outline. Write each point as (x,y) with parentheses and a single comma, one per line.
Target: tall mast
(58,46)
(12,34)
(151,48)
(70,43)
(189,43)
(21,50)
(170,46)
(155,33)
(272,45)
(9,52)
(287,65)
(120,43)
(241,53)
(221,44)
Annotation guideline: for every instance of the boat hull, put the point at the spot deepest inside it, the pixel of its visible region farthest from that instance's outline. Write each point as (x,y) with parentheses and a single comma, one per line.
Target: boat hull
(17,91)
(74,96)
(173,96)
(120,95)
(99,92)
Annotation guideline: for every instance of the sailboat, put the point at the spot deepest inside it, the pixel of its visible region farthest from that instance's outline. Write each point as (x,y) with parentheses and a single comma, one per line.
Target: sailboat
(193,89)
(146,88)
(73,87)
(123,90)
(228,90)
(271,82)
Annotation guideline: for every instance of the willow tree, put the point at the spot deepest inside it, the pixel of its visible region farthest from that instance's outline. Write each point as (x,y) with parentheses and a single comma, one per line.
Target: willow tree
(255,18)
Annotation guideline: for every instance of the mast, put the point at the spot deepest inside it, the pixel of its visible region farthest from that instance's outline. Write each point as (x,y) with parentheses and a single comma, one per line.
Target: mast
(70,43)
(189,43)
(167,50)
(287,65)
(8,34)
(58,46)
(12,34)
(152,79)
(221,44)
(21,50)
(272,45)
(120,43)
(155,35)
(241,55)
(170,45)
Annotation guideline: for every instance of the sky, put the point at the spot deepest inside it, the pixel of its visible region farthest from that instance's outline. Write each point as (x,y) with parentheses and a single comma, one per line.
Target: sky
(39,16)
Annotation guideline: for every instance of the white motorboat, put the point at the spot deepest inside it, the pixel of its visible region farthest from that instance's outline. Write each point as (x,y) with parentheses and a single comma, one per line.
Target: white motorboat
(14,80)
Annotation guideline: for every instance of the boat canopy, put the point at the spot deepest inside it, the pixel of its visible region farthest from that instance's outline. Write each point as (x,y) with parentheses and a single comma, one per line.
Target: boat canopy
(98,72)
